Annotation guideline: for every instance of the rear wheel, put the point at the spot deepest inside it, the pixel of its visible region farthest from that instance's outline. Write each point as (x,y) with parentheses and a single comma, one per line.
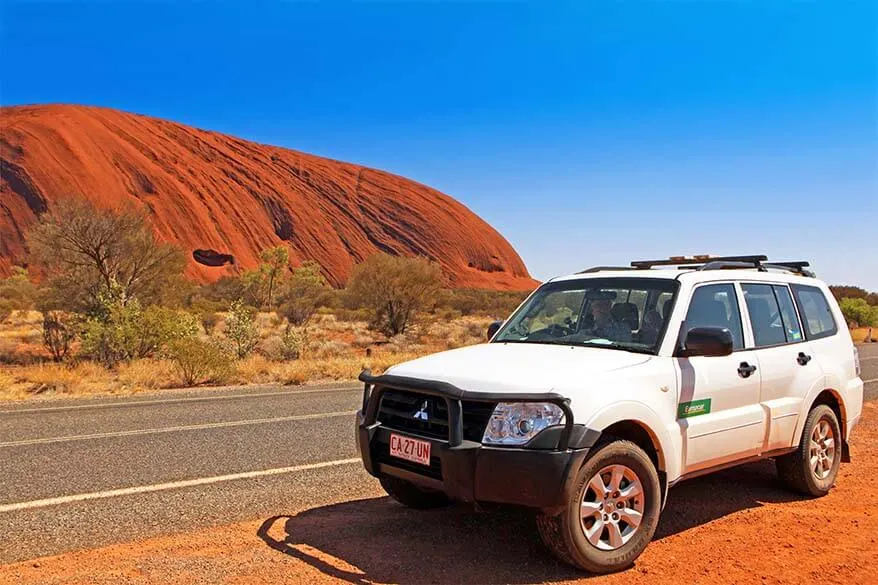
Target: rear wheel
(412,496)
(813,467)
(611,513)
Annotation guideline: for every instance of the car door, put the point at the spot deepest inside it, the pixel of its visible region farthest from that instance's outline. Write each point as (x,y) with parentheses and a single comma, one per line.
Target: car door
(784,358)
(719,415)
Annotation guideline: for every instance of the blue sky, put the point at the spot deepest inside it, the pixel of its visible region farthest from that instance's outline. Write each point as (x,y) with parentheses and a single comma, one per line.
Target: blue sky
(586,132)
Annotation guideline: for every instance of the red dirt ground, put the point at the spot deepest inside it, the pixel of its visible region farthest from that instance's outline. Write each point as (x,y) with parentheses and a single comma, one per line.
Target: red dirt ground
(211,191)
(737,526)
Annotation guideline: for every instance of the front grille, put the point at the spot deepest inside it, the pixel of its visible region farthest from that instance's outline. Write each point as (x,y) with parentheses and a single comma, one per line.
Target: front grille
(398,410)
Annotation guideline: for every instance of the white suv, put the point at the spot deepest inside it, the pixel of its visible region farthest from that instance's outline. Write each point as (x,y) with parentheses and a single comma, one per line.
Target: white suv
(607,387)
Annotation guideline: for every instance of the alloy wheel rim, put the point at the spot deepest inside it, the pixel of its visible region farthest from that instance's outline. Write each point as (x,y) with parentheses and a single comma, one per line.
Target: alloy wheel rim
(822,449)
(612,507)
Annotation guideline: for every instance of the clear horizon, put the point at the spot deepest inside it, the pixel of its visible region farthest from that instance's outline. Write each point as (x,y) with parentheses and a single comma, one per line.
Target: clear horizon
(585,133)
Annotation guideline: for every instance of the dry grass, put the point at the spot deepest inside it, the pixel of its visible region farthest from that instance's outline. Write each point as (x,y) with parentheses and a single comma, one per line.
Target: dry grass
(860,334)
(336,349)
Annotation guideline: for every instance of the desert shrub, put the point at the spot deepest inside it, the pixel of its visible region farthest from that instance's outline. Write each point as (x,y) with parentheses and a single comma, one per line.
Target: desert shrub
(198,361)
(87,252)
(480,302)
(158,326)
(347,315)
(121,330)
(59,331)
(17,292)
(394,288)
(303,293)
(5,310)
(223,291)
(208,321)
(241,329)
(207,313)
(293,343)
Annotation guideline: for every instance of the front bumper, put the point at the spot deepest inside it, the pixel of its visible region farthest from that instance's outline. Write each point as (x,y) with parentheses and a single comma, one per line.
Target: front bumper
(537,475)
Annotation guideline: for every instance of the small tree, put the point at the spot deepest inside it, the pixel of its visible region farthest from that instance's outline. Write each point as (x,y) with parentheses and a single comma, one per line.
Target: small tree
(275,263)
(241,328)
(85,251)
(304,293)
(58,334)
(393,288)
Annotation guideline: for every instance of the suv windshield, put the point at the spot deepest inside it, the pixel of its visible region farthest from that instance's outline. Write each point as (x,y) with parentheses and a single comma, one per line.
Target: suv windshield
(621,313)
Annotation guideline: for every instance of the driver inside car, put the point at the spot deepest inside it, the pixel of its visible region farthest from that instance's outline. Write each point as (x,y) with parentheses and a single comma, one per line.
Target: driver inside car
(605,326)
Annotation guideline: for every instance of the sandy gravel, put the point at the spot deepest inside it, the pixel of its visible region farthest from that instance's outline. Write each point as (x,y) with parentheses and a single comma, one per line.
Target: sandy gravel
(738,526)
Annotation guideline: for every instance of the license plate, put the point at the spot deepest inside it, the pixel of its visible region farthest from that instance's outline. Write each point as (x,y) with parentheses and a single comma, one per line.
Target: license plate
(410,449)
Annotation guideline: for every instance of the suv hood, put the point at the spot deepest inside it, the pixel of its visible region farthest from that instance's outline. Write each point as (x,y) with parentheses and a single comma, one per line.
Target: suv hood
(517,367)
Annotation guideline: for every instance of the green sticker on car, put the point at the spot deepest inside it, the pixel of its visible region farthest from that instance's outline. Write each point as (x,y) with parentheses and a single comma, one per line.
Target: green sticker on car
(694,408)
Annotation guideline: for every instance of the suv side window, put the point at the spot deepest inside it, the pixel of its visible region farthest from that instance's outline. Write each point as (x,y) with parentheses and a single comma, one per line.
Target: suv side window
(816,313)
(765,317)
(716,305)
(791,324)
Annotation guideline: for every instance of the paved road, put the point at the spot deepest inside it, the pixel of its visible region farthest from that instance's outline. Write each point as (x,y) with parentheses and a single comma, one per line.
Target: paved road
(82,473)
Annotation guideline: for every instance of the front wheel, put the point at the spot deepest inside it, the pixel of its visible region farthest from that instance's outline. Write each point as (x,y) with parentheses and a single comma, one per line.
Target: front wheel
(813,467)
(612,512)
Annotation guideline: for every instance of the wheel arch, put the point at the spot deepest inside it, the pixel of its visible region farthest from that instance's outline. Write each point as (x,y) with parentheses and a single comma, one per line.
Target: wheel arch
(640,424)
(831,398)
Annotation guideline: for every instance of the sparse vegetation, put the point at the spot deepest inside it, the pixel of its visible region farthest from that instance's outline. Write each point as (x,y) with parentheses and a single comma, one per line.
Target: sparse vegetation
(394,288)
(241,329)
(114,317)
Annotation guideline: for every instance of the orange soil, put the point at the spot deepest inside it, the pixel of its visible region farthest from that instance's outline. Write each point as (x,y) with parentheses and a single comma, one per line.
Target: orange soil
(211,191)
(737,526)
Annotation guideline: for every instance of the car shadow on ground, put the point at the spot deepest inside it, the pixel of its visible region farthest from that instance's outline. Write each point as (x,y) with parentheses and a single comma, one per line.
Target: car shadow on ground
(377,540)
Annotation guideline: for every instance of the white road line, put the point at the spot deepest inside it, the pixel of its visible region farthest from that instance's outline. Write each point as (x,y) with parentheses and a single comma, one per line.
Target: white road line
(866,359)
(159,487)
(173,400)
(217,425)
(870,381)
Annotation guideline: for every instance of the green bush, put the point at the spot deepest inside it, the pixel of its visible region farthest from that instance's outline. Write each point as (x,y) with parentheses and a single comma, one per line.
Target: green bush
(121,330)
(17,292)
(858,311)
(293,343)
(197,361)
(241,329)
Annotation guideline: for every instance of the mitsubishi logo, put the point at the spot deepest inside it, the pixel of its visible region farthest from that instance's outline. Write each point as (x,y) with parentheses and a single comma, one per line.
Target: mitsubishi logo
(423,412)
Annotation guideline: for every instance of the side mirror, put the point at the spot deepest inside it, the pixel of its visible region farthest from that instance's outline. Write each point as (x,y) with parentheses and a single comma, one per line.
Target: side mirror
(707,341)
(493,328)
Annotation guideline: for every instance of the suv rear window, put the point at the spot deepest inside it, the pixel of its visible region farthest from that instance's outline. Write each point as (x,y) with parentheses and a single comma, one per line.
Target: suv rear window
(815,310)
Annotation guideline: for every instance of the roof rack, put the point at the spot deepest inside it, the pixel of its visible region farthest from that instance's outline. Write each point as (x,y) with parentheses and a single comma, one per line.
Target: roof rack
(698,259)
(706,262)
(604,269)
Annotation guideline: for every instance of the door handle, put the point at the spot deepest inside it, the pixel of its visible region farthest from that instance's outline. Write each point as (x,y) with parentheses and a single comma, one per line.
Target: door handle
(803,358)
(745,369)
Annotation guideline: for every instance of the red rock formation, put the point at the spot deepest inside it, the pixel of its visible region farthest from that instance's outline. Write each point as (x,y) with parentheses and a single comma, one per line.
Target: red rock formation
(225,196)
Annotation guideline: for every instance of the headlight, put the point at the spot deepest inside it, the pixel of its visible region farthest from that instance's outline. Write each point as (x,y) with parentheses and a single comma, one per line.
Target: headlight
(516,423)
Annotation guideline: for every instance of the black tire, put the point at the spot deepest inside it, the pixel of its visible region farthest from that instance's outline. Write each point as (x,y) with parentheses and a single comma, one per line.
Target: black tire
(564,533)
(411,496)
(794,469)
